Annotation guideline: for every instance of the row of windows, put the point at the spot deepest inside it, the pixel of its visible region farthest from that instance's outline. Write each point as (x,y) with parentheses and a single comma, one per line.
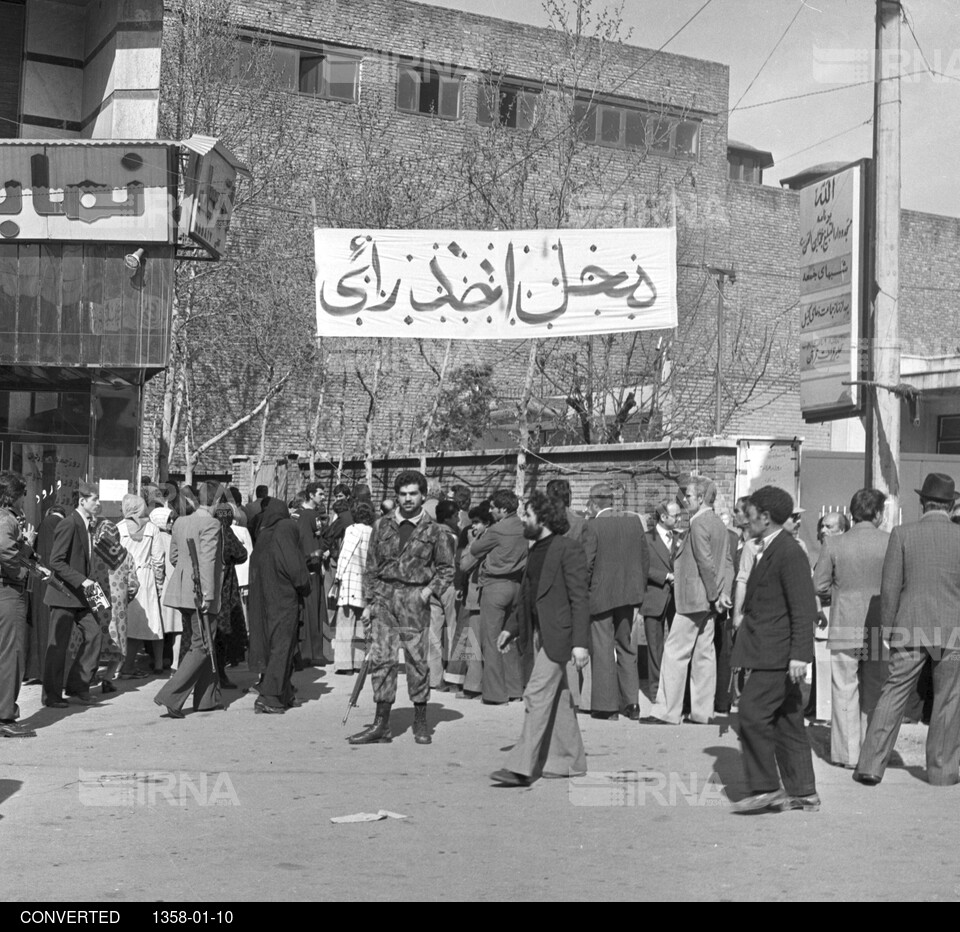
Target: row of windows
(427,90)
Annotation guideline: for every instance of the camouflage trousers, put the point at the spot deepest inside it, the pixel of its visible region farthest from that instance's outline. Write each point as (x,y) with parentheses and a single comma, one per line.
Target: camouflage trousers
(400,619)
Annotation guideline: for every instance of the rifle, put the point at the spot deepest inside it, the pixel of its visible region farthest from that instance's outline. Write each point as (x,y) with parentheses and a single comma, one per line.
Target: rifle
(198,601)
(31,563)
(357,689)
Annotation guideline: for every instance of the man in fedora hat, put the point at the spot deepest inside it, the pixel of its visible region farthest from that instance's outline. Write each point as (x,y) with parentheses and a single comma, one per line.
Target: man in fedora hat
(920,615)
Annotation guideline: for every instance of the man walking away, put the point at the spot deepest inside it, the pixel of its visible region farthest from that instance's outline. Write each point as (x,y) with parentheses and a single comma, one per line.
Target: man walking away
(920,612)
(552,621)
(617,565)
(659,607)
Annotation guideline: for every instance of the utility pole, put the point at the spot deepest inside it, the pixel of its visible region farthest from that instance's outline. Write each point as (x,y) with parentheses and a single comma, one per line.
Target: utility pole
(882,466)
(721,273)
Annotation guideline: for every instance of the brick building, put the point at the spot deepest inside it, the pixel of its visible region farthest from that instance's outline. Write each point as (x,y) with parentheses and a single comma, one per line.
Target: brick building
(419,79)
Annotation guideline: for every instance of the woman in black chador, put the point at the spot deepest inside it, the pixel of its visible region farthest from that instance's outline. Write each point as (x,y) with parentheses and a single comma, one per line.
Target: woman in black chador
(279,581)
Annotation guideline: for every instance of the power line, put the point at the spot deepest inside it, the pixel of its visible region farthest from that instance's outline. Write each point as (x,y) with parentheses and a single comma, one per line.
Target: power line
(820,142)
(767,59)
(908,20)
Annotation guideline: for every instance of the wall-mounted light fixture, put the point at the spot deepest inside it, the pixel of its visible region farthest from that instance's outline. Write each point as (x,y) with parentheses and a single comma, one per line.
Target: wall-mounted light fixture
(134,260)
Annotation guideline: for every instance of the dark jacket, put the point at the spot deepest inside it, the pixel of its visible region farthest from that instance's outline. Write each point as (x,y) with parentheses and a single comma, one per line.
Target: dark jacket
(617,561)
(70,560)
(562,604)
(659,594)
(779,609)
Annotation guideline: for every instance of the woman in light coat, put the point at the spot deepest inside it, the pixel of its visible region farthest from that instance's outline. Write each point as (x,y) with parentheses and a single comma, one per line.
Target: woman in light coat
(349,644)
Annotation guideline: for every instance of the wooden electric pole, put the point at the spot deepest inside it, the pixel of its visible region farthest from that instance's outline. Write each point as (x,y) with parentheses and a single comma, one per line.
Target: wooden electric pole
(883,415)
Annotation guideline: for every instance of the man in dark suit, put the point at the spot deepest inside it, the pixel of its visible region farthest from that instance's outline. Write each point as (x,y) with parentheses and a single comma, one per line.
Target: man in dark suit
(920,614)
(552,621)
(659,606)
(195,672)
(775,644)
(70,561)
(617,563)
(704,581)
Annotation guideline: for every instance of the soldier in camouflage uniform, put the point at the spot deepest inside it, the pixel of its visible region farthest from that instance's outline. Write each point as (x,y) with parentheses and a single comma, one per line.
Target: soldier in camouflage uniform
(409,558)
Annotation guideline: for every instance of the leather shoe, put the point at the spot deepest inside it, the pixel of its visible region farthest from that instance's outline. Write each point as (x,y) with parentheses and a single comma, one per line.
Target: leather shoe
(266,709)
(86,699)
(509,778)
(13,730)
(106,687)
(760,801)
(653,720)
(806,803)
(867,779)
(632,712)
(171,712)
(57,704)
(606,716)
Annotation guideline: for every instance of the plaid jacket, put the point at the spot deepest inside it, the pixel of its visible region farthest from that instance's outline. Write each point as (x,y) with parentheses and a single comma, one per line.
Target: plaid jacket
(427,559)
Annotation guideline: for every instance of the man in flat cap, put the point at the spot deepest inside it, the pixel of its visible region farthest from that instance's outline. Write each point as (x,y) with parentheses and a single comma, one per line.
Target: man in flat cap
(920,615)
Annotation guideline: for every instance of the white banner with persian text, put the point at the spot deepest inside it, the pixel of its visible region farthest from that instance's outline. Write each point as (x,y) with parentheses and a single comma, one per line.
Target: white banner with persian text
(481,285)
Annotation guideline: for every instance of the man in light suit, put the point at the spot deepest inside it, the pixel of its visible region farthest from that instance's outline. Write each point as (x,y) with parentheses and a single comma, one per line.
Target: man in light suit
(70,561)
(847,578)
(774,644)
(920,614)
(196,669)
(551,621)
(702,589)
(659,607)
(617,564)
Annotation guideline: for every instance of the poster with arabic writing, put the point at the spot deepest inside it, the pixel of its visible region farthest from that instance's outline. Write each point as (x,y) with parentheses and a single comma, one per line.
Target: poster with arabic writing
(831,260)
(481,285)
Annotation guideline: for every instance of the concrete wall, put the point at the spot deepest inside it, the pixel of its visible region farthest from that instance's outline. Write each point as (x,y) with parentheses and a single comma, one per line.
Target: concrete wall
(92,70)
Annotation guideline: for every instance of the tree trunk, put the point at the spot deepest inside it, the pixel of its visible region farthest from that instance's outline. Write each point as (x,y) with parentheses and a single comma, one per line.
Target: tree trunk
(523,423)
(432,414)
(373,390)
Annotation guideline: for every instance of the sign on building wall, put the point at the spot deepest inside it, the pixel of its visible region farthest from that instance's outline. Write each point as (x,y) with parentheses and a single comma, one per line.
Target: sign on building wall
(94,192)
(832,259)
(763,462)
(210,192)
(481,285)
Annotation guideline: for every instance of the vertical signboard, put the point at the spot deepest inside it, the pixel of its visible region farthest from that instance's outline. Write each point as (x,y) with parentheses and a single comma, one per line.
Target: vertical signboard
(832,259)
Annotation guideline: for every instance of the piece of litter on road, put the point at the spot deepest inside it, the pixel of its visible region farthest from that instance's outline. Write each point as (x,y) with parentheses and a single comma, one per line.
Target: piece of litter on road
(368,816)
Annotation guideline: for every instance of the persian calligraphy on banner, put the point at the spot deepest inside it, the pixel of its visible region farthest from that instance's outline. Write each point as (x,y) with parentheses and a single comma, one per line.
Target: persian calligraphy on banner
(831,288)
(112,192)
(480,285)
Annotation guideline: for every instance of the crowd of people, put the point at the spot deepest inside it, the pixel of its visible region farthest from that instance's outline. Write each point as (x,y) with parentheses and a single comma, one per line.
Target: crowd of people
(500,602)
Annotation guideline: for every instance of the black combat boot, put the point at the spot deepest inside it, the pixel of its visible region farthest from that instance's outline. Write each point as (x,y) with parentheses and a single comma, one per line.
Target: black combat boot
(379,731)
(421,731)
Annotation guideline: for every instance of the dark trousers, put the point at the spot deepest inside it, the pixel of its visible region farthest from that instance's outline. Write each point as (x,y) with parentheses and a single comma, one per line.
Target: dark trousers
(275,688)
(13,623)
(943,737)
(84,666)
(773,736)
(195,672)
(502,676)
(723,645)
(655,629)
(616,683)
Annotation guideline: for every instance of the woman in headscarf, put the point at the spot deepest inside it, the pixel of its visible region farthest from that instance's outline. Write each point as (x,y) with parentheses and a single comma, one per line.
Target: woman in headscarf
(278,583)
(141,539)
(230,641)
(113,568)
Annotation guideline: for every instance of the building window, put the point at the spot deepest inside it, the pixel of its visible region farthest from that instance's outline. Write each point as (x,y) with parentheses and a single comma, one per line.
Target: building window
(514,107)
(316,72)
(948,434)
(325,75)
(421,89)
(626,128)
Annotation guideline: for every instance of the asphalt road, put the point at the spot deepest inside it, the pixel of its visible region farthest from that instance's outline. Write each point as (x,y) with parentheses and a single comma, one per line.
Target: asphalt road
(111,803)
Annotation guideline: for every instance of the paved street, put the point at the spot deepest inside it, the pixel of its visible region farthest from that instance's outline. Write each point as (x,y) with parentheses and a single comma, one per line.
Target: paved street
(105,806)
